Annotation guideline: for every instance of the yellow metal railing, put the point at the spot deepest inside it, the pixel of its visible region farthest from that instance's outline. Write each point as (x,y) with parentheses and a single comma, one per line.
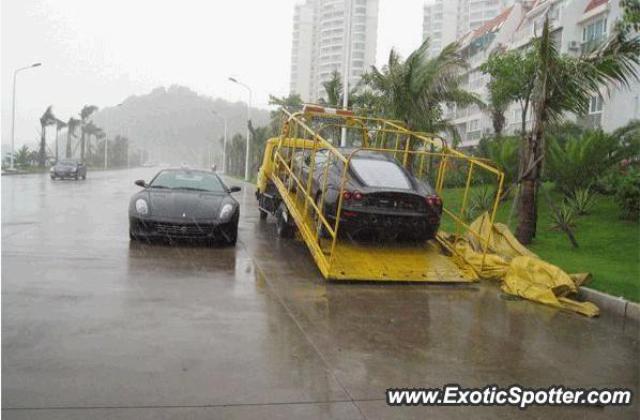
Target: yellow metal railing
(426,156)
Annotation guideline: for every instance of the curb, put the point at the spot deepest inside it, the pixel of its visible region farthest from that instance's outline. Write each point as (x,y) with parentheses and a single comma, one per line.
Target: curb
(617,306)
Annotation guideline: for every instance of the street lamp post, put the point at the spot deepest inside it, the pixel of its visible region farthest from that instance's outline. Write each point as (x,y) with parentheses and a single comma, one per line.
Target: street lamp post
(13,112)
(247,160)
(346,68)
(224,144)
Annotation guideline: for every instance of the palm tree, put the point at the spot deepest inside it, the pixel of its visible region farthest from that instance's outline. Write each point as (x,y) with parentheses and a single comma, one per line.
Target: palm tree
(45,120)
(88,130)
(72,124)
(22,156)
(85,114)
(291,103)
(333,88)
(415,89)
(59,126)
(496,107)
(563,84)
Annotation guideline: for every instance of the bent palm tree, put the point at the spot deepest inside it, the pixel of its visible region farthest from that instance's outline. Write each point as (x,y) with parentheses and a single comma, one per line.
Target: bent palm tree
(415,89)
(90,129)
(45,120)
(565,84)
(72,124)
(85,114)
(59,126)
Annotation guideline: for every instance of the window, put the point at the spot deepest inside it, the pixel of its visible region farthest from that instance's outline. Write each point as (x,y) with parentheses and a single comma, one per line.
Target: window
(517,115)
(380,173)
(473,125)
(595,30)
(596,104)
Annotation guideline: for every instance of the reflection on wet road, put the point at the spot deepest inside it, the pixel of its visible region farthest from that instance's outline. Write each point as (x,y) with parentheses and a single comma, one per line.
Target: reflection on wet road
(96,326)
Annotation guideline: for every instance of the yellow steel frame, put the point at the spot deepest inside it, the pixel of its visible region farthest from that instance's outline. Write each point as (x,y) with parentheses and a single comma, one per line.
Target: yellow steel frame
(337,259)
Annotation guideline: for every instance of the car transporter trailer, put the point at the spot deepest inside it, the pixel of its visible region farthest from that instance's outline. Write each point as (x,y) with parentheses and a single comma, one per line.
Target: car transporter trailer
(283,192)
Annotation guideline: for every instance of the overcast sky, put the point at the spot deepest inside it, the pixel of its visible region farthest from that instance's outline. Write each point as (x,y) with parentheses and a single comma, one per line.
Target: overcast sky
(100,52)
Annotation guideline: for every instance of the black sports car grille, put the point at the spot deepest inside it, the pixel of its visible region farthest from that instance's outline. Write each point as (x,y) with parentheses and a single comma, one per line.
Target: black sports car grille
(191,229)
(395,201)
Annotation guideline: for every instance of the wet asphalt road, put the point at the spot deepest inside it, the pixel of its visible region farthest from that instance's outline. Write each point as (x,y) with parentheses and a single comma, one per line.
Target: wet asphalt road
(96,327)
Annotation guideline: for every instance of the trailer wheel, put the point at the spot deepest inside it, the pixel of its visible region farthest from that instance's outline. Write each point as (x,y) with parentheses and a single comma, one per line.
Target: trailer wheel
(284,226)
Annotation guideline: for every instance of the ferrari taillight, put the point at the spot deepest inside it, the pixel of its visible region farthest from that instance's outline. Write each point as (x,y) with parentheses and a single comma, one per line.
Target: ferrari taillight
(434,201)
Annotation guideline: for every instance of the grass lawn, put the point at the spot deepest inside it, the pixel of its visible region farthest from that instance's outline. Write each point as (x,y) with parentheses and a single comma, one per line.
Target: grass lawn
(609,246)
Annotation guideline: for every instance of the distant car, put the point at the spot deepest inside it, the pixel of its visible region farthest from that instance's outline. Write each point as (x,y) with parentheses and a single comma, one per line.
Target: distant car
(149,164)
(68,168)
(381,198)
(184,203)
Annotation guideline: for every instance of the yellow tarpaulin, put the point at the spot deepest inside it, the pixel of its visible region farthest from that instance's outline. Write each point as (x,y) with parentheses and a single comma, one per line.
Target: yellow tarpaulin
(521,272)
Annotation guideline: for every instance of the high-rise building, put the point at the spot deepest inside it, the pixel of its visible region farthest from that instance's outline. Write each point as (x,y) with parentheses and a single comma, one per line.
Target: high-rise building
(320,43)
(448,20)
(440,24)
(302,44)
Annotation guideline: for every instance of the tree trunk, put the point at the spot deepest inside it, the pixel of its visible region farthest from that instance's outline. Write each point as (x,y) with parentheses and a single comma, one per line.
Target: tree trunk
(57,135)
(68,149)
(526,211)
(531,164)
(498,121)
(82,138)
(42,154)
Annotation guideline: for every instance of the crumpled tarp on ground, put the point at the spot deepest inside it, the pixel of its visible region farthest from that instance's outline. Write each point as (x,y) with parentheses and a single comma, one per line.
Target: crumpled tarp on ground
(521,272)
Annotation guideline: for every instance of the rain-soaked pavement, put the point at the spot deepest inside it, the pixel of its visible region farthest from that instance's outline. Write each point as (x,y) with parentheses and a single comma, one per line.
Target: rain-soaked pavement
(96,327)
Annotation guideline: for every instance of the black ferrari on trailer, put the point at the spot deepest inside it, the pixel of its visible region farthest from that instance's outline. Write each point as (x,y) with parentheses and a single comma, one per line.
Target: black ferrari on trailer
(381,199)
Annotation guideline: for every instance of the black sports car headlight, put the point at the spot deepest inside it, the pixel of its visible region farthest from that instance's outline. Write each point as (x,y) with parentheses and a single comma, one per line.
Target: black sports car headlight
(142,207)
(226,211)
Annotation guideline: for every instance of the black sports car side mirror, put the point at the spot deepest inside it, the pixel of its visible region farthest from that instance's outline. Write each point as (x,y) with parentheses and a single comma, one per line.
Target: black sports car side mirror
(234,189)
(140,183)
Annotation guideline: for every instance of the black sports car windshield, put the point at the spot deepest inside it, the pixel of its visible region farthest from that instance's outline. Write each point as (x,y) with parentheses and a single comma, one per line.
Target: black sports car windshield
(67,163)
(187,180)
(380,173)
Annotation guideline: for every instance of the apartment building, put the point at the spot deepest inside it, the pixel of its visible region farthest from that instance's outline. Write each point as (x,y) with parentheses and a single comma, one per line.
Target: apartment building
(440,24)
(445,21)
(576,26)
(321,46)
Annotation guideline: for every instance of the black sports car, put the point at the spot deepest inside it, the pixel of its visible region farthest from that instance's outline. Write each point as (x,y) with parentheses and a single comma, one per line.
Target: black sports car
(68,168)
(184,203)
(381,200)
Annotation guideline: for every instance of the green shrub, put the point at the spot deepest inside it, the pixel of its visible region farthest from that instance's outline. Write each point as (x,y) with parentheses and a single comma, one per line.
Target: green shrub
(503,154)
(564,219)
(582,200)
(628,194)
(481,201)
(608,183)
(580,161)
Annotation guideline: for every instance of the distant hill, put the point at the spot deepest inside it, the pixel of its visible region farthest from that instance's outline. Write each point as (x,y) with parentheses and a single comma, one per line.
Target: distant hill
(176,124)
